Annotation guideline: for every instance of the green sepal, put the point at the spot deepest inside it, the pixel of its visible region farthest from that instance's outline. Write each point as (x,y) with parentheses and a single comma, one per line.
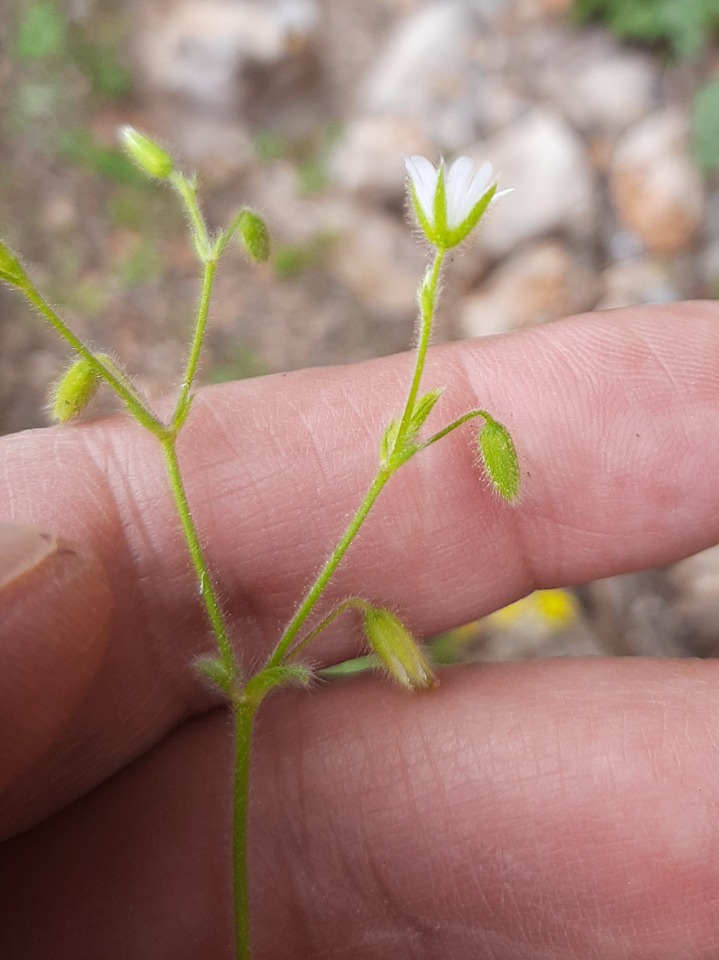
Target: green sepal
(74,390)
(397,650)
(440,229)
(424,225)
(152,159)
(454,237)
(217,671)
(500,459)
(253,236)
(269,679)
(11,270)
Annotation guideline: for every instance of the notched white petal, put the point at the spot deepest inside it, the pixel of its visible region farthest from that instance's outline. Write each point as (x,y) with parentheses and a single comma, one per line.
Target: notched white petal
(424,176)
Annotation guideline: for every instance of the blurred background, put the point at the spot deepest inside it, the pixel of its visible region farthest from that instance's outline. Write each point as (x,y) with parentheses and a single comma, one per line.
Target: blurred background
(603,114)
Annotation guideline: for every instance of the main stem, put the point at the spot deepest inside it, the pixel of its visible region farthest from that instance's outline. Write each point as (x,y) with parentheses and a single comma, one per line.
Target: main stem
(207,589)
(323,577)
(244,720)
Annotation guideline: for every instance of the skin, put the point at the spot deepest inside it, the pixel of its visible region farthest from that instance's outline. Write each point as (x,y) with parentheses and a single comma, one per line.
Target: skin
(554,809)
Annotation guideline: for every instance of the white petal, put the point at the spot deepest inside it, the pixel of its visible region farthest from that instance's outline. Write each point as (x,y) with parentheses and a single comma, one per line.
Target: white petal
(480,183)
(424,176)
(457,186)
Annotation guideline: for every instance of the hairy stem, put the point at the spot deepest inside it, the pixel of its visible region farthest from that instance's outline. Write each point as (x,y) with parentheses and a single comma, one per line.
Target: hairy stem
(207,589)
(428,299)
(210,268)
(323,578)
(122,388)
(244,721)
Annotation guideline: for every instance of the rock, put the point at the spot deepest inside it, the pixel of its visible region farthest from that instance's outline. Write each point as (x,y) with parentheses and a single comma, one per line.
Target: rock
(545,162)
(542,282)
(199,48)
(637,281)
(655,187)
(379,260)
(369,159)
(424,72)
(600,87)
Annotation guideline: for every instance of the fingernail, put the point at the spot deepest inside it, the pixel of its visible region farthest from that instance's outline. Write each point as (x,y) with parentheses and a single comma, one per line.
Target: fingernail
(22,550)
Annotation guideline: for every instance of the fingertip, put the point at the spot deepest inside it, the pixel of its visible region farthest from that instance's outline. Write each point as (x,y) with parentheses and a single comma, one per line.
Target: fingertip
(55,611)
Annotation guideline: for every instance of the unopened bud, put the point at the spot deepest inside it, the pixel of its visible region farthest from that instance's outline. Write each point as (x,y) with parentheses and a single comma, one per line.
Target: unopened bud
(73,391)
(11,270)
(253,235)
(397,649)
(145,153)
(500,459)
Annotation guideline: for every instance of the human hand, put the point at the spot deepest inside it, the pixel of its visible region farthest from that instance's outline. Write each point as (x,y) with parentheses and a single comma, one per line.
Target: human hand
(540,810)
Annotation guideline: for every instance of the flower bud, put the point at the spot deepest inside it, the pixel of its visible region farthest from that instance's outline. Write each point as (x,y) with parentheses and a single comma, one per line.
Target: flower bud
(73,391)
(11,270)
(500,459)
(397,649)
(254,237)
(145,153)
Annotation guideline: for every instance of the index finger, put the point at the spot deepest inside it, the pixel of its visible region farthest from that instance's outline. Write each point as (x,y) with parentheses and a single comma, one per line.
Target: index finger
(614,420)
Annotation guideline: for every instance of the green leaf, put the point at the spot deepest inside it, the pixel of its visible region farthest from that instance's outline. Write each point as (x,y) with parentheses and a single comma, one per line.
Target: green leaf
(422,410)
(215,669)
(267,680)
(500,459)
(389,441)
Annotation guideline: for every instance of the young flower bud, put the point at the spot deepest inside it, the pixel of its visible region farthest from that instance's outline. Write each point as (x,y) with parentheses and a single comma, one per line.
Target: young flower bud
(11,270)
(73,391)
(397,649)
(145,153)
(500,459)
(254,237)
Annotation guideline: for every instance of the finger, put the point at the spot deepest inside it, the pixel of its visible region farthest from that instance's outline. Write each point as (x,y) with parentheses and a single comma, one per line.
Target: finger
(558,808)
(55,612)
(614,419)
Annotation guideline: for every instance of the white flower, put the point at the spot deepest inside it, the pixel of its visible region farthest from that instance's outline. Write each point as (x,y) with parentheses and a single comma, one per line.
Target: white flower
(449,203)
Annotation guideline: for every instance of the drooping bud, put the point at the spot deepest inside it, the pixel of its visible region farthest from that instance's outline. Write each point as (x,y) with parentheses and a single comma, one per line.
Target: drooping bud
(146,154)
(11,270)
(500,459)
(254,236)
(73,391)
(397,649)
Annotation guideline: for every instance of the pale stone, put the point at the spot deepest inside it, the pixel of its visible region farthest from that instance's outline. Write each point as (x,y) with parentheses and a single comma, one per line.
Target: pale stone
(378,259)
(655,187)
(424,71)
(633,282)
(369,159)
(197,48)
(544,161)
(542,282)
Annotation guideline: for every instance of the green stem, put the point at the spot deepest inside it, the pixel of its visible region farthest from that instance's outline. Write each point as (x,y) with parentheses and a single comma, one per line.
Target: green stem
(188,195)
(181,408)
(244,721)
(356,603)
(323,578)
(428,298)
(123,389)
(473,414)
(207,589)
